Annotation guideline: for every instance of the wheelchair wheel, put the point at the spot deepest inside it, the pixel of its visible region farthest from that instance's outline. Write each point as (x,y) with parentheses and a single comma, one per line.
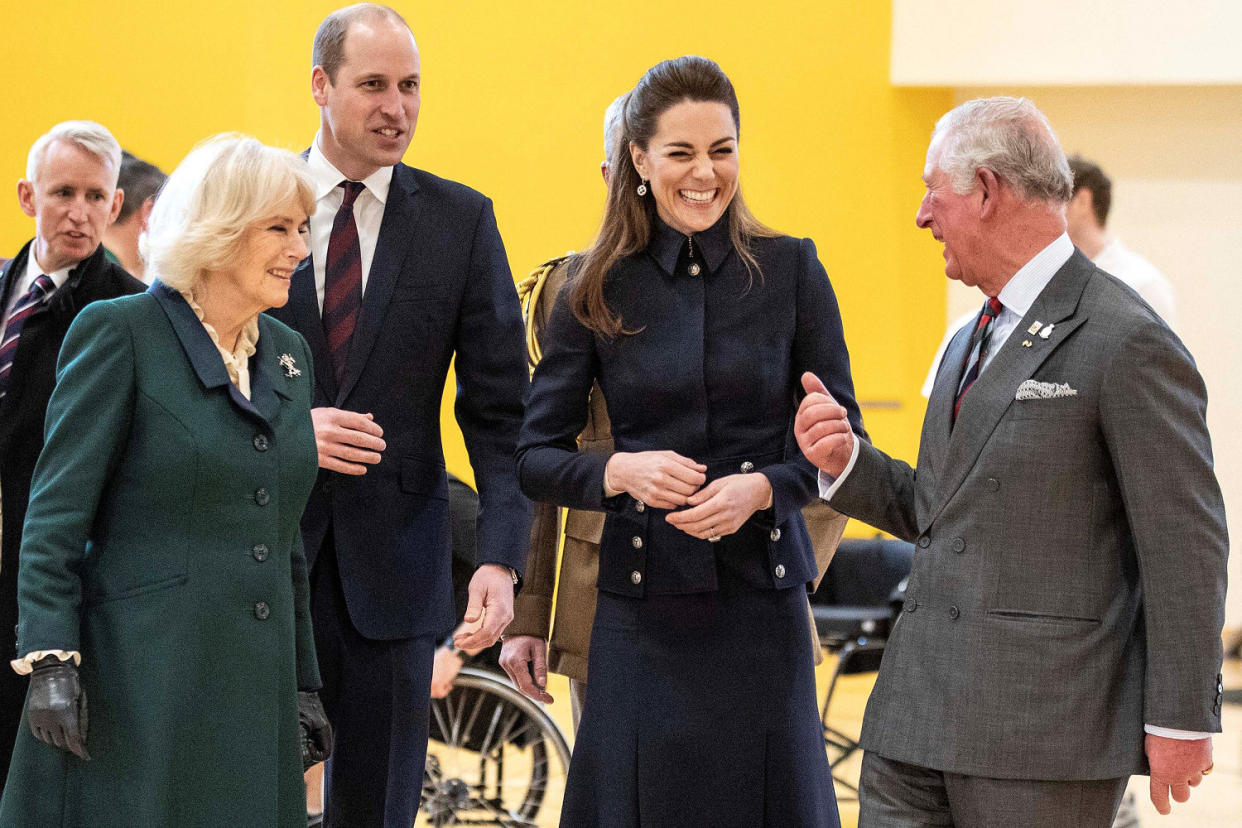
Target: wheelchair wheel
(495,757)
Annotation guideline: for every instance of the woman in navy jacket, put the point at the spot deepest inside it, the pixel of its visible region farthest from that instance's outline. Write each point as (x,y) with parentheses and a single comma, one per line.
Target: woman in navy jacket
(697,321)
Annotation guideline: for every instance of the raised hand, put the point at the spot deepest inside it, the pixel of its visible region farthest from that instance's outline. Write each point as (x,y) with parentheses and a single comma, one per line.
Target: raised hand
(822,428)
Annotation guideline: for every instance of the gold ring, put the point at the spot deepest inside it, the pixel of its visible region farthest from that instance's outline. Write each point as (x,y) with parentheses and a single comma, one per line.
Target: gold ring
(1208,769)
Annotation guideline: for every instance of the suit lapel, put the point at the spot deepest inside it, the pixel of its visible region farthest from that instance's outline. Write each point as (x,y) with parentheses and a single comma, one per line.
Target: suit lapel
(940,404)
(304,302)
(992,394)
(395,235)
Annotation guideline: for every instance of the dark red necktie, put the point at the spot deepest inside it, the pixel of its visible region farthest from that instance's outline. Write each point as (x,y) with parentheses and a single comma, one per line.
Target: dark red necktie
(342,288)
(978,349)
(40,289)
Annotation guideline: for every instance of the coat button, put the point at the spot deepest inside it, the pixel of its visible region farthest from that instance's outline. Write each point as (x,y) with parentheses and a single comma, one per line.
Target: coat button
(747,467)
(260,552)
(954,612)
(260,442)
(776,534)
(959,545)
(911,605)
(780,570)
(261,497)
(636,542)
(994,484)
(636,577)
(262,611)
(694,269)
(924,542)
(640,507)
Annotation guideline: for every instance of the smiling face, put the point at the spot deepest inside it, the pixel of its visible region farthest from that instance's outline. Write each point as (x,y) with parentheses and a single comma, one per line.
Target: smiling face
(953,219)
(368,113)
(74,199)
(269,251)
(691,164)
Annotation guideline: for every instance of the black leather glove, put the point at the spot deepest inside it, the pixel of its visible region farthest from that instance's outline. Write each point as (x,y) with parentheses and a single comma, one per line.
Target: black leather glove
(56,705)
(316,732)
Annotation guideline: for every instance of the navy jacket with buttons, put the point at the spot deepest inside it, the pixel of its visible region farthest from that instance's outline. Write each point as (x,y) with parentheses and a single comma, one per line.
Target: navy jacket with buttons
(713,373)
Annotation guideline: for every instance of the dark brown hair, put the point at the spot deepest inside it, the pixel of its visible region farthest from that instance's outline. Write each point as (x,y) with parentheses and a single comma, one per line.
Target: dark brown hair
(628,217)
(1089,176)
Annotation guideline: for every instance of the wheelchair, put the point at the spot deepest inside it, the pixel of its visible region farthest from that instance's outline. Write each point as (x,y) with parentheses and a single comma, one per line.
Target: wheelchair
(495,757)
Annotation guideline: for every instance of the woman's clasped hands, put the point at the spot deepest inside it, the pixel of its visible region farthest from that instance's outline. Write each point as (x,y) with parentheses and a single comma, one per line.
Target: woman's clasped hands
(667,480)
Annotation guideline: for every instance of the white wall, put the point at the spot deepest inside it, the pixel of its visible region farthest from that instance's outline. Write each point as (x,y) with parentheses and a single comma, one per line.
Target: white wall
(1177,199)
(1066,42)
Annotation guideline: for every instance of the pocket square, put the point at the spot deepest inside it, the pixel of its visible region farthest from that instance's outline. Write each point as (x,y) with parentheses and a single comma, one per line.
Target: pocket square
(1036,390)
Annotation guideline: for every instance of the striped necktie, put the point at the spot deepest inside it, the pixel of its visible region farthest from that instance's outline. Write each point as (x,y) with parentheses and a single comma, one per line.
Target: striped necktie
(342,284)
(978,349)
(27,305)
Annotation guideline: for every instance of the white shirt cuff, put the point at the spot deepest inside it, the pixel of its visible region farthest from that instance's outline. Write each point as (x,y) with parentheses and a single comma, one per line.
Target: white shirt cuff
(1171,733)
(24,666)
(828,484)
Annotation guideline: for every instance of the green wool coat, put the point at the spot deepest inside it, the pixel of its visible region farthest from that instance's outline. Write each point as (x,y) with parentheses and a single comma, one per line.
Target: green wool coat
(162,543)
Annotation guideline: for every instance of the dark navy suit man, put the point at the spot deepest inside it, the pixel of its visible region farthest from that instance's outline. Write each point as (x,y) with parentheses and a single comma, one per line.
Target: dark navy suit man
(406,271)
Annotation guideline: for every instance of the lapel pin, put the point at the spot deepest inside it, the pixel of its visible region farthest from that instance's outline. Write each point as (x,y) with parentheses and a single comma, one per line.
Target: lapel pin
(1034,329)
(1047,331)
(1026,343)
(291,369)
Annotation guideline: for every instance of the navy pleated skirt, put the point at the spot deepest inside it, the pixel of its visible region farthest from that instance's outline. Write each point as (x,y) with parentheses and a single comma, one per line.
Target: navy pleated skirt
(701,710)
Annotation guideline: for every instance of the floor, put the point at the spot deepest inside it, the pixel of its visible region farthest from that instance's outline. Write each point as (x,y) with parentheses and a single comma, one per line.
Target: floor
(1217,803)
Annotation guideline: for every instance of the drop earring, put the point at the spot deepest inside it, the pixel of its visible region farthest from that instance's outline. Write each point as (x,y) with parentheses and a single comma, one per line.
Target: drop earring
(642,189)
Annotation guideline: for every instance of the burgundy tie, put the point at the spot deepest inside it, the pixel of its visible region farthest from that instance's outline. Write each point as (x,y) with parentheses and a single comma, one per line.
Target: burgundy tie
(28,304)
(342,293)
(978,349)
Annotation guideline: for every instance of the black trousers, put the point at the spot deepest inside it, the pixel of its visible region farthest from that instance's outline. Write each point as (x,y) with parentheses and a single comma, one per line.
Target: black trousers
(377,696)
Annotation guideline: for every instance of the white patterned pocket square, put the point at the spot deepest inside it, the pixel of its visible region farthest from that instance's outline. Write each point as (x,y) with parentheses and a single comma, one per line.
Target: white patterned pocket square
(1036,390)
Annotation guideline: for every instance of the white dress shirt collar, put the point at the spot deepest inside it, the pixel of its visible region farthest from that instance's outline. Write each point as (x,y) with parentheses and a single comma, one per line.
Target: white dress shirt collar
(1021,291)
(327,177)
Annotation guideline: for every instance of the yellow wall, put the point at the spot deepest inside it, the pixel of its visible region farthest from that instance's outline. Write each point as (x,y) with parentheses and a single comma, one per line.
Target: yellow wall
(513,98)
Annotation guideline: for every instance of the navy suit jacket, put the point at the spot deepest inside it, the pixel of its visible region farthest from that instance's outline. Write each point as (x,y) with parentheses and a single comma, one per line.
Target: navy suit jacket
(439,287)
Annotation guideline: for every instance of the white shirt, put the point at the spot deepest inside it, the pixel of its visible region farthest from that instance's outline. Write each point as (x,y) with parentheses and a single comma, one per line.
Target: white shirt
(1142,275)
(22,286)
(368,213)
(1017,296)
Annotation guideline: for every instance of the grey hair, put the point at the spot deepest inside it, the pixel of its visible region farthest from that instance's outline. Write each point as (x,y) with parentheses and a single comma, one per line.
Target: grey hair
(612,126)
(87,135)
(328,49)
(1008,136)
(223,186)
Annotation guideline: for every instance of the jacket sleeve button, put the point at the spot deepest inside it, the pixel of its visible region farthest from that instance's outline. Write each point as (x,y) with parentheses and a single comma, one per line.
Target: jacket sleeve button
(747,467)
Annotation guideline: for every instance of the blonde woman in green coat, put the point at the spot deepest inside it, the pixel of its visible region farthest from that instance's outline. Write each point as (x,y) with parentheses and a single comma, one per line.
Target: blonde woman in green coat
(163,595)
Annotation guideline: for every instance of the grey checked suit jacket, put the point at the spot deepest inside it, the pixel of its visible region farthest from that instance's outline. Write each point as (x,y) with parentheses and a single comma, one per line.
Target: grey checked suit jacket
(1069,575)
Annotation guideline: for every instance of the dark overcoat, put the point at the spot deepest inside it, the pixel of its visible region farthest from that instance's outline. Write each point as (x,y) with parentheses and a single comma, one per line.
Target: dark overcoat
(162,543)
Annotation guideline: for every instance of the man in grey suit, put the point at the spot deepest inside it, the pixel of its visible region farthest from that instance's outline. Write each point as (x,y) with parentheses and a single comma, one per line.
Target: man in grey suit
(1062,623)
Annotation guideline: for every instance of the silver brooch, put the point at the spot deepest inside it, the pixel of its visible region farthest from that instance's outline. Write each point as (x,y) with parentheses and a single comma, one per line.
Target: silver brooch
(291,369)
